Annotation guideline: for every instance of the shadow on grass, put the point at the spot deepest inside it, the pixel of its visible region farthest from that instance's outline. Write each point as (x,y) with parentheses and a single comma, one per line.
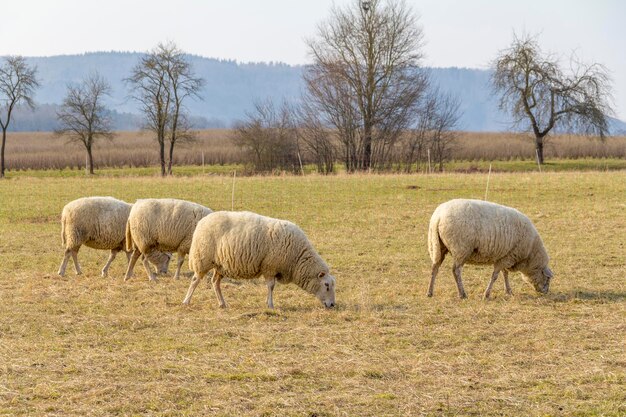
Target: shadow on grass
(585,295)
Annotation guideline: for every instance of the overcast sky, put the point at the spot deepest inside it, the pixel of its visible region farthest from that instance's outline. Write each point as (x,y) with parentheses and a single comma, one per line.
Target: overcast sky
(462,33)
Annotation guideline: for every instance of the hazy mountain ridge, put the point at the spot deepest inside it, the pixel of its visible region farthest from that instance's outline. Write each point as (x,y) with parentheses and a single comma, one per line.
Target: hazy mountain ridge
(230,90)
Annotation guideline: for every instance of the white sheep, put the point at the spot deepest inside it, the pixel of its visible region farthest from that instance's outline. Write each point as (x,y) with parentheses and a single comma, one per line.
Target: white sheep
(165,224)
(244,245)
(99,223)
(479,232)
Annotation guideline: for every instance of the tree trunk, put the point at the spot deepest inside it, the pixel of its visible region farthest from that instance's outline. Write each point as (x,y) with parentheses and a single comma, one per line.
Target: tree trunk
(367,149)
(4,139)
(539,149)
(162,157)
(90,156)
(169,163)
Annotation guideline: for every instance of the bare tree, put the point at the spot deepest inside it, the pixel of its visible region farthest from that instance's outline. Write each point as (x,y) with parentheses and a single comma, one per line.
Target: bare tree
(150,88)
(161,82)
(269,137)
(366,69)
(444,123)
(541,96)
(316,138)
(83,116)
(434,131)
(18,82)
(183,84)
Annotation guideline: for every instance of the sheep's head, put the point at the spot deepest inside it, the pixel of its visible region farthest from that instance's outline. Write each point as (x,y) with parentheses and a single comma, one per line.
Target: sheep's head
(161,260)
(541,279)
(326,289)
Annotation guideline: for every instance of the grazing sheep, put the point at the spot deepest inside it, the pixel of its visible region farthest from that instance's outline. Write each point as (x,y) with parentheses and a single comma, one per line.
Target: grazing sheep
(163,224)
(244,245)
(479,232)
(99,223)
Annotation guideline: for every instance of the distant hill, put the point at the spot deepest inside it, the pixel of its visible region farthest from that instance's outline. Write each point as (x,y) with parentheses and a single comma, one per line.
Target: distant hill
(231,89)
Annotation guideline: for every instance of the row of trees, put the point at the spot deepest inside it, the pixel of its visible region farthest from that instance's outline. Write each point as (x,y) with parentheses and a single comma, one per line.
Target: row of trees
(161,83)
(367,97)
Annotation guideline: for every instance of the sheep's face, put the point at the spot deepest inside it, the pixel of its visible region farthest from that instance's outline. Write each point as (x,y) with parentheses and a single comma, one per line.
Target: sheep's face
(541,280)
(161,260)
(326,291)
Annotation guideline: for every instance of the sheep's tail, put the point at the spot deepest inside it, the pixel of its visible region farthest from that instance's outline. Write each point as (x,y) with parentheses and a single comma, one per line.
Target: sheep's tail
(63,239)
(436,248)
(129,238)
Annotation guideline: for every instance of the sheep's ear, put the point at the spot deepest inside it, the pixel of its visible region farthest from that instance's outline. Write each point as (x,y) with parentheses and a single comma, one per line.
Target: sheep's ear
(548,272)
(321,274)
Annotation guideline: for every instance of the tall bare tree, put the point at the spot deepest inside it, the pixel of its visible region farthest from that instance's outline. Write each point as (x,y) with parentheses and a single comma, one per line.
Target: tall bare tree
(539,95)
(161,82)
(269,137)
(367,57)
(183,84)
(18,82)
(83,116)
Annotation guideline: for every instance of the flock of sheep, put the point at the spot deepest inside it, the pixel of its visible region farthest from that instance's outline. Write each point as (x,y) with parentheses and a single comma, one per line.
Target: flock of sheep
(244,245)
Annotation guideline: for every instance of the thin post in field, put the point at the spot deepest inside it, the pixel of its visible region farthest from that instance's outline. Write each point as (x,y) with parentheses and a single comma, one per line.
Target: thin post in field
(488,178)
(232,198)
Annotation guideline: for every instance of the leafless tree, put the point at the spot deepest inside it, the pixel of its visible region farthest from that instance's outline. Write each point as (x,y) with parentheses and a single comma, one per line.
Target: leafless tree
(539,95)
(444,126)
(18,82)
(161,83)
(269,137)
(434,131)
(183,84)
(316,138)
(83,116)
(366,70)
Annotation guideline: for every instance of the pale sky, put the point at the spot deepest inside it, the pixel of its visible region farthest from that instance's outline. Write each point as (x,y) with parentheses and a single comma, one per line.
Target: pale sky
(458,33)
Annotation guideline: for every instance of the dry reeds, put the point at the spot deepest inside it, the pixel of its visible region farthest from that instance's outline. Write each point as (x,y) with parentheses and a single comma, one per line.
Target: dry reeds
(43,150)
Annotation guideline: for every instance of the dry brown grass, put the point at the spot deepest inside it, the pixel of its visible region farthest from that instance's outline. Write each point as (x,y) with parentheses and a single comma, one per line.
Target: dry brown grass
(42,150)
(92,346)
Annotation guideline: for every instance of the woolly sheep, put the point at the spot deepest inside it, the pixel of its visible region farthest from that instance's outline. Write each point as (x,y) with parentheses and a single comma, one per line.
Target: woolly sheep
(99,223)
(165,224)
(244,245)
(479,232)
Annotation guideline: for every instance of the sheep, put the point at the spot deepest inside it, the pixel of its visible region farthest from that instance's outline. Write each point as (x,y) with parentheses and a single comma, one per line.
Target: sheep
(99,223)
(244,245)
(479,232)
(165,224)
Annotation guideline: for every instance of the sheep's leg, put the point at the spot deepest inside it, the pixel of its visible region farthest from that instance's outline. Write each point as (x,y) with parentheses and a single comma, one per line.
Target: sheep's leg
(181,259)
(217,278)
(146,265)
(66,258)
(435,269)
(494,277)
(456,270)
(105,270)
(75,259)
(507,285)
(128,255)
(131,264)
(192,287)
(270,288)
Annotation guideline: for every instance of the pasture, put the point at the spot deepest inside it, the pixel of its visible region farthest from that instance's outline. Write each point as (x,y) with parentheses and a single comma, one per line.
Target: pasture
(85,345)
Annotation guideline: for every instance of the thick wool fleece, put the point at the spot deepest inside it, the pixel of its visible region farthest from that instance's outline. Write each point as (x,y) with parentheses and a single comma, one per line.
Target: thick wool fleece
(480,232)
(163,224)
(244,245)
(96,222)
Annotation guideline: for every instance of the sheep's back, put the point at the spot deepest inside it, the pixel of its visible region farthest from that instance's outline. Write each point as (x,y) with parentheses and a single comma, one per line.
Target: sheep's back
(483,232)
(165,224)
(96,222)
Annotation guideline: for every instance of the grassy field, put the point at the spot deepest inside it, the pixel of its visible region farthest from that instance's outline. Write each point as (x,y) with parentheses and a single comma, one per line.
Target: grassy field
(92,346)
